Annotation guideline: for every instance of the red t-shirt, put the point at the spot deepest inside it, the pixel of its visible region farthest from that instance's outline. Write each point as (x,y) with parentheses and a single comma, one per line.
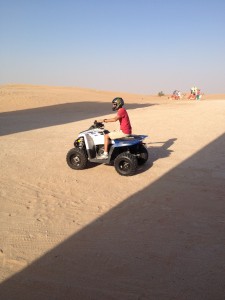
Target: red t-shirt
(125,125)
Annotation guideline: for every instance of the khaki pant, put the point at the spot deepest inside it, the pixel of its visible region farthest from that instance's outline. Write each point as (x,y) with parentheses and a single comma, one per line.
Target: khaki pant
(117,134)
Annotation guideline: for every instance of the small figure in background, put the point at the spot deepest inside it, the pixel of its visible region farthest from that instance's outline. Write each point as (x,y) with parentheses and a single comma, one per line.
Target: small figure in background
(198,96)
(176,95)
(193,93)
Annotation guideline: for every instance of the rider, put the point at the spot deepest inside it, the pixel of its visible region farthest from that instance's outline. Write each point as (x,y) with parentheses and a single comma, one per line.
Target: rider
(125,126)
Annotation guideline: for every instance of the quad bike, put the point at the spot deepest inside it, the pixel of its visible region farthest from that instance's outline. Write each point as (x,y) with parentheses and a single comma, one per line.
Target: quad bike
(125,153)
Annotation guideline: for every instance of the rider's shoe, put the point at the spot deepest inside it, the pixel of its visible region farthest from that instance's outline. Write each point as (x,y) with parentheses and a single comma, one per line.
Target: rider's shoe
(104,156)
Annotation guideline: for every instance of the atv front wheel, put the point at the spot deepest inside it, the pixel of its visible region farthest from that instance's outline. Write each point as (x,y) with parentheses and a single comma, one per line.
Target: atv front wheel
(125,164)
(77,159)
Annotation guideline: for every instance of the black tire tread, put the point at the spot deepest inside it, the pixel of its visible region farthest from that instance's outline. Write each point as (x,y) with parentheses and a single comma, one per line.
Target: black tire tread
(131,159)
(83,159)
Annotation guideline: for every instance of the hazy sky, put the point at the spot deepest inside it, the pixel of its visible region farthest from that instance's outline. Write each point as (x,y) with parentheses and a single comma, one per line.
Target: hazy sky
(137,46)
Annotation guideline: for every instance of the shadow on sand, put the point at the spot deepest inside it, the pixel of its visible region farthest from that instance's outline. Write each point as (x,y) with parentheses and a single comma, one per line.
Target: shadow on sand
(156,153)
(29,119)
(164,242)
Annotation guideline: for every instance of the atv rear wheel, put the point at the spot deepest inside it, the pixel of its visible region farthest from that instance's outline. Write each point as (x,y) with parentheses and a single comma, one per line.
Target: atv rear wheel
(77,159)
(125,164)
(142,155)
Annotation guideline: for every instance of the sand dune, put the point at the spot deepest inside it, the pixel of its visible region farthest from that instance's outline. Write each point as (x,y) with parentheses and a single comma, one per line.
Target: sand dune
(94,234)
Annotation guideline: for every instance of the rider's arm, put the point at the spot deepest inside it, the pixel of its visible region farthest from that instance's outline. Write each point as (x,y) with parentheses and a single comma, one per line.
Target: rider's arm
(116,118)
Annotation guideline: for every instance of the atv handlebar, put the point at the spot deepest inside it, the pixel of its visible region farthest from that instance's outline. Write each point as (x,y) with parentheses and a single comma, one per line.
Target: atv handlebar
(98,124)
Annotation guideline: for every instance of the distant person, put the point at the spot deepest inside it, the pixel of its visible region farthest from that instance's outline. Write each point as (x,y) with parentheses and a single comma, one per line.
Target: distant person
(198,94)
(193,93)
(176,95)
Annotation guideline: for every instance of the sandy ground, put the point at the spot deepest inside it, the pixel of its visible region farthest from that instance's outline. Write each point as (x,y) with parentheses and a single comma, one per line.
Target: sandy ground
(94,234)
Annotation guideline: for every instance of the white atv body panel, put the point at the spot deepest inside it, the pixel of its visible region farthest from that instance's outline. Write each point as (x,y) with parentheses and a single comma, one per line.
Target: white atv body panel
(97,136)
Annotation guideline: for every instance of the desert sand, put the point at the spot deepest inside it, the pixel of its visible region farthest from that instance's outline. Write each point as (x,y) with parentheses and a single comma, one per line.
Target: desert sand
(94,234)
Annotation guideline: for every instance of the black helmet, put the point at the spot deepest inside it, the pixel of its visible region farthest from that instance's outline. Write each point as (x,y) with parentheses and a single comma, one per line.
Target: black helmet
(117,103)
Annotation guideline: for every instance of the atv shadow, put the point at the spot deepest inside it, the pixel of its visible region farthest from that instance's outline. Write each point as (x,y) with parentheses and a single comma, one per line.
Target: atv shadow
(92,165)
(156,153)
(163,151)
